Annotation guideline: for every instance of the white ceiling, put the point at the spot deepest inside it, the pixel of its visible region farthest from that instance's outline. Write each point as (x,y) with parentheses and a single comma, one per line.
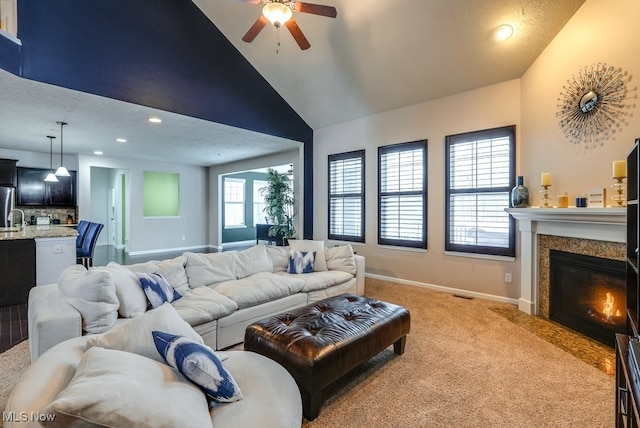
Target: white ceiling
(376,56)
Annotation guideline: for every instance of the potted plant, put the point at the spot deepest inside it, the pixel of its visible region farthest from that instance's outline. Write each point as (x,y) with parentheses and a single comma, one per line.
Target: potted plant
(278,197)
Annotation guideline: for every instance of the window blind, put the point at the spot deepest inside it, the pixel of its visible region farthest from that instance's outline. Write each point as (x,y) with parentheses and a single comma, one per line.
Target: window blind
(479,179)
(346,196)
(402,194)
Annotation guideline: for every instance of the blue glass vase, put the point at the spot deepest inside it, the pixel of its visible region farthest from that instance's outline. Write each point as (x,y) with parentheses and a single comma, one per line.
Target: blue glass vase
(520,194)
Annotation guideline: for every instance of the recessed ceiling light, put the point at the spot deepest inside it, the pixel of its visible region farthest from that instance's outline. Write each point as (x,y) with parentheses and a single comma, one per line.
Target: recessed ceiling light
(121,140)
(98,153)
(154,119)
(503,32)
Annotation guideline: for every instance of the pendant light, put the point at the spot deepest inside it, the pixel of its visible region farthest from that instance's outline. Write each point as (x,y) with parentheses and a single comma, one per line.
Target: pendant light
(51,176)
(62,171)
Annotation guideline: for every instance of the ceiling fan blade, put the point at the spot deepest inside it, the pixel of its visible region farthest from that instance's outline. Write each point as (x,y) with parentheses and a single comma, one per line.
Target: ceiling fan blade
(255,29)
(296,32)
(250,1)
(316,9)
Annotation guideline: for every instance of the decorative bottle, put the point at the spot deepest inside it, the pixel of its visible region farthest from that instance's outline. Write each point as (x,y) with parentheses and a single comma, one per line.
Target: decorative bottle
(520,194)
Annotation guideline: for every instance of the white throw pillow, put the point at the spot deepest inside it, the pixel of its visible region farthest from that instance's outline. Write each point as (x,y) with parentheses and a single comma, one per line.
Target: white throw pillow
(120,389)
(341,258)
(135,335)
(253,260)
(92,293)
(320,263)
(133,301)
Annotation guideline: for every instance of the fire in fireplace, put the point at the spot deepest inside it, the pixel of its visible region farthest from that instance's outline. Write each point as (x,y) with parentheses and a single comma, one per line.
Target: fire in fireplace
(588,294)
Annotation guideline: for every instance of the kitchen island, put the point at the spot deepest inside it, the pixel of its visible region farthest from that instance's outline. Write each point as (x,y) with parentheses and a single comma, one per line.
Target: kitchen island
(33,255)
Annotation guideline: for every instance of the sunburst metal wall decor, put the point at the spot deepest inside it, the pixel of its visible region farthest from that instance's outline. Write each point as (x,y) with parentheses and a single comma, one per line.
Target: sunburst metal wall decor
(591,106)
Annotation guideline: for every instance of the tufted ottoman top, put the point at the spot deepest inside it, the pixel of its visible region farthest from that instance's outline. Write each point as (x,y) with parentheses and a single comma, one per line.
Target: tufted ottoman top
(321,342)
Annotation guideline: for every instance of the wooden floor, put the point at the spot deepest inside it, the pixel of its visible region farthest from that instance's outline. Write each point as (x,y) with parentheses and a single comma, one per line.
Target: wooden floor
(13,326)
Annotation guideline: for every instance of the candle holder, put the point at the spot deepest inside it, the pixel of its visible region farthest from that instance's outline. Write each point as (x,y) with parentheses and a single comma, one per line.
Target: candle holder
(545,196)
(618,188)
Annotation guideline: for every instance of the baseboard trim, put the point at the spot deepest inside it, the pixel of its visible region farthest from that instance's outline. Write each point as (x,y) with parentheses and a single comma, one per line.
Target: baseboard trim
(168,250)
(457,291)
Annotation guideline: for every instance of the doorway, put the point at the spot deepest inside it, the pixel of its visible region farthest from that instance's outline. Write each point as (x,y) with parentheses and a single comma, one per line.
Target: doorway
(109,205)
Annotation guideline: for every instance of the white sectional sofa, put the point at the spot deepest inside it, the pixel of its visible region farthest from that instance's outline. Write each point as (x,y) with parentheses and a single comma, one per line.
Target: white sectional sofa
(220,293)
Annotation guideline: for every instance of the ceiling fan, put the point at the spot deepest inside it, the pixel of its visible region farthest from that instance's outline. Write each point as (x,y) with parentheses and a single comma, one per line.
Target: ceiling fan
(279,12)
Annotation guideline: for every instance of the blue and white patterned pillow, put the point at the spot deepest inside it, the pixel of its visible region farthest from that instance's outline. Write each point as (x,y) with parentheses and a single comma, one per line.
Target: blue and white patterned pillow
(199,364)
(301,261)
(157,289)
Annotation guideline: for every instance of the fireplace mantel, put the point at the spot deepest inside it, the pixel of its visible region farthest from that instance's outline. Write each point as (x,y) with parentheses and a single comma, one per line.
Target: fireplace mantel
(601,224)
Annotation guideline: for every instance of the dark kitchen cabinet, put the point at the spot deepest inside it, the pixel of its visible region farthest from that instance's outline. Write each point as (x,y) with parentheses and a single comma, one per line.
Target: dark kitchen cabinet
(62,193)
(31,187)
(18,267)
(8,172)
(34,191)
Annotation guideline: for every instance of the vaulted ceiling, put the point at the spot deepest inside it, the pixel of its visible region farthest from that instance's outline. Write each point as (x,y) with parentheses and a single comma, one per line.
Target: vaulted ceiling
(375,56)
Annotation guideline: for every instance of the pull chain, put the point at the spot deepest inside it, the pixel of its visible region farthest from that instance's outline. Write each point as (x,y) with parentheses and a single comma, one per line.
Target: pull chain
(278,40)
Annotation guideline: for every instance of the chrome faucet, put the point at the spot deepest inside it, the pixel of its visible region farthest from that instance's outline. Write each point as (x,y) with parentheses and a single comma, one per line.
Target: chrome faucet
(22,223)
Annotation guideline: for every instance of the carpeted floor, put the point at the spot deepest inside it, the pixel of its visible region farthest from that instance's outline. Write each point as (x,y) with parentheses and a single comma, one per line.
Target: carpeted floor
(468,363)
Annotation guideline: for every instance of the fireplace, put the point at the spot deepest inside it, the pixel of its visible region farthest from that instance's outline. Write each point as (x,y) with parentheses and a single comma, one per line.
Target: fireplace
(588,294)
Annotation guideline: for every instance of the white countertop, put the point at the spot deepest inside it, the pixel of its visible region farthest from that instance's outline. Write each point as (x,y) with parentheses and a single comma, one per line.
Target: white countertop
(40,231)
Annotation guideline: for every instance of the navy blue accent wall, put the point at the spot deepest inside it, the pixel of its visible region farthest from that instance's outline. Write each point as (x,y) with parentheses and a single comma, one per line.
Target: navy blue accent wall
(9,55)
(163,54)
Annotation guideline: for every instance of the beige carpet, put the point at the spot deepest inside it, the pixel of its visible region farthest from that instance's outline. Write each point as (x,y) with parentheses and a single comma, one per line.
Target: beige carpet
(465,365)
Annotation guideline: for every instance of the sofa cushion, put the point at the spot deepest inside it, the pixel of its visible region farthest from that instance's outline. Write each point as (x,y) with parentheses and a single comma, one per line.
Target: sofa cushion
(135,335)
(132,299)
(279,257)
(115,388)
(301,261)
(320,280)
(174,272)
(259,288)
(199,364)
(92,293)
(320,263)
(341,257)
(200,305)
(210,268)
(172,269)
(253,260)
(157,289)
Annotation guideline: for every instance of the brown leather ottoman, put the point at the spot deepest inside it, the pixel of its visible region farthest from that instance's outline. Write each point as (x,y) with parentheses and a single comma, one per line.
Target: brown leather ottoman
(320,343)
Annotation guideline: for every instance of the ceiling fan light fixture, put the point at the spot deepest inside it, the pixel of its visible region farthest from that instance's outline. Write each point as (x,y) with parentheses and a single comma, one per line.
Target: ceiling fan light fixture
(277,13)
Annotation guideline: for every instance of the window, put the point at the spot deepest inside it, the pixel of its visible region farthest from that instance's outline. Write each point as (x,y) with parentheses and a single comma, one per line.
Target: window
(259,215)
(234,202)
(402,197)
(479,178)
(346,196)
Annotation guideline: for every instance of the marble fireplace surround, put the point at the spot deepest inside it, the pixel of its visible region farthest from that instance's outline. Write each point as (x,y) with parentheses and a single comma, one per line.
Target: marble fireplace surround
(599,232)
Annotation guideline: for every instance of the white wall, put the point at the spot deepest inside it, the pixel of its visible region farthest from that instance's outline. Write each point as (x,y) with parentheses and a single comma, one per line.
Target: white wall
(189,230)
(489,107)
(599,32)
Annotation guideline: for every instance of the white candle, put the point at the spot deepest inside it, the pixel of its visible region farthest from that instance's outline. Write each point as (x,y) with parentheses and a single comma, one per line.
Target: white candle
(545,179)
(619,169)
